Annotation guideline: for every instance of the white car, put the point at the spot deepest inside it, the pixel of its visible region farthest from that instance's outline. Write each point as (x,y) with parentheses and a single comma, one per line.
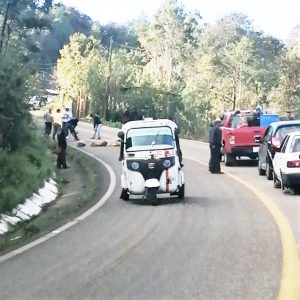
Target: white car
(286,162)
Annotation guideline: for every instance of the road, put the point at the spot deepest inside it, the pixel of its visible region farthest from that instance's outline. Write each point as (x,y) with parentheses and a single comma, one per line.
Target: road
(219,243)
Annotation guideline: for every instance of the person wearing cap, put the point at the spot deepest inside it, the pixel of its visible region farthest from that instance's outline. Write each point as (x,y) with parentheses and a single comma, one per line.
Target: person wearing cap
(215,144)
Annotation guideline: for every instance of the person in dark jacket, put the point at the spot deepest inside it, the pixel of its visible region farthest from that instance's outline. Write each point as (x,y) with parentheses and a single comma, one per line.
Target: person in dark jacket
(71,125)
(61,149)
(134,115)
(215,144)
(97,126)
(126,115)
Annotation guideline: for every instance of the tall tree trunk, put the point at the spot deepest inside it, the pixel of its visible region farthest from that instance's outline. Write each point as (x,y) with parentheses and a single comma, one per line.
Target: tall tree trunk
(234,98)
(4,25)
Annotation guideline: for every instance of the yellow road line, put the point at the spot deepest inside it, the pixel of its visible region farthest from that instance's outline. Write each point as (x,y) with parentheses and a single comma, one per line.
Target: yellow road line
(290,277)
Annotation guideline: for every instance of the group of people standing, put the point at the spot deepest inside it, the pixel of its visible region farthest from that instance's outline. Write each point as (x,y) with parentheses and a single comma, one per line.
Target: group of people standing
(60,120)
(60,123)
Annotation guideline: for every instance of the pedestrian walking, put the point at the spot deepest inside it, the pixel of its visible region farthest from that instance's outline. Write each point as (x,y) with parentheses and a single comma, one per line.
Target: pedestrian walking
(48,117)
(61,149)
(215,144)
(97,126)
(56,122)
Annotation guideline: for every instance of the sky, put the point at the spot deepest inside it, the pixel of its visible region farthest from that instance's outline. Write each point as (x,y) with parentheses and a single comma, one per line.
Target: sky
(275,17)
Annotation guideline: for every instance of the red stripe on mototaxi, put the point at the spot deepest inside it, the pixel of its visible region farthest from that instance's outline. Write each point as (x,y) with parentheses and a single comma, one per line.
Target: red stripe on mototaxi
(167,174)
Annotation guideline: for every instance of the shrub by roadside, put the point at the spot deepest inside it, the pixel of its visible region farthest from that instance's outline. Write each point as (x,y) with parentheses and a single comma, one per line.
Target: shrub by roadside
(23,172)
(79,187)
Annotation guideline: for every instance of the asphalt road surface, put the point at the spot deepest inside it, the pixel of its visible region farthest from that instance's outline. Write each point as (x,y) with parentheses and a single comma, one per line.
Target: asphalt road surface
(219,243)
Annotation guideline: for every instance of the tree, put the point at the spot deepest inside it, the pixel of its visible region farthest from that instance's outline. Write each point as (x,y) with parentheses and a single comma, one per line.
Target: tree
(73,69)
(19,16)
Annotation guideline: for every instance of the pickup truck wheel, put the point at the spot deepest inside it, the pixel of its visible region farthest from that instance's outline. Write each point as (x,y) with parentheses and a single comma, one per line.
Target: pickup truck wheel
(228,159)
(269,171)
(260,170)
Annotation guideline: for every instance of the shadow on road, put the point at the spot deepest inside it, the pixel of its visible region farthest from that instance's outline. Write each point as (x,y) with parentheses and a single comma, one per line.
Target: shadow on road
(201,201)
(245,163)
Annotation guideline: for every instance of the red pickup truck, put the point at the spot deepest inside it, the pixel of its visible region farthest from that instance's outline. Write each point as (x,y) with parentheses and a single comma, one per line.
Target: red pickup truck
(242,133)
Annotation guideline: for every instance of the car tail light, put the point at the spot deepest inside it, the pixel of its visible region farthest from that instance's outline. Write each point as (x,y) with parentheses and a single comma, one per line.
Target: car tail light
(231,139)
(275,142)
(293,164)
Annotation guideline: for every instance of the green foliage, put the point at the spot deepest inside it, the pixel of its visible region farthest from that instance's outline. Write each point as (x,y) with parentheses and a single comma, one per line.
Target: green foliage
(14,115)
(23,172)
(177,68)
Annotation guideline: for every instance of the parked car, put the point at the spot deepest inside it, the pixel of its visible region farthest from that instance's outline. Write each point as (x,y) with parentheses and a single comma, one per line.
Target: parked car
(286,162)
(242,132)
(36,102)
(271,142)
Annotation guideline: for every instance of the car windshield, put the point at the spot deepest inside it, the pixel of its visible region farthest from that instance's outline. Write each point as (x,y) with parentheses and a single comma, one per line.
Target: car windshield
(283,131)
(149,138)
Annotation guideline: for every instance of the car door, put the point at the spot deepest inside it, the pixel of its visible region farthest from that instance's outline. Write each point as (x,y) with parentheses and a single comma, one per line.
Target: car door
(278,158)
(263,149)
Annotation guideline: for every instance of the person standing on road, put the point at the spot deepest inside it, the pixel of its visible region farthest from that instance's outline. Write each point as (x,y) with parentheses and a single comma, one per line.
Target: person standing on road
(215,144)
(61,149)
(97,126)
(56,123)
(48,117)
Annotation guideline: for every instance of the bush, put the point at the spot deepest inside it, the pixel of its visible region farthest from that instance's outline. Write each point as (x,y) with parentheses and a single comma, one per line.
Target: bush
(23,172)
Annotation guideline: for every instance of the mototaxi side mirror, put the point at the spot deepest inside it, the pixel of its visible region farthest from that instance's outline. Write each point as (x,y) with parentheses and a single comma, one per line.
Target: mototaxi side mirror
(177,130)
(121,135)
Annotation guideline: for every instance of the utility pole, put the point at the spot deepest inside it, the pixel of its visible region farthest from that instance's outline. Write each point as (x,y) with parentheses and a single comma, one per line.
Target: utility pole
(108,89)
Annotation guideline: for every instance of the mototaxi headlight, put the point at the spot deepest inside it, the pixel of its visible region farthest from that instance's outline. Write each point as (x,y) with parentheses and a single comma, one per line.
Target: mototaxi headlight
(167,163)
(135,165)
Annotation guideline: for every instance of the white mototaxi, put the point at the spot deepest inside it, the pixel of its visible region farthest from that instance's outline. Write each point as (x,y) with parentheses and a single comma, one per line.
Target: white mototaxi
(151,159)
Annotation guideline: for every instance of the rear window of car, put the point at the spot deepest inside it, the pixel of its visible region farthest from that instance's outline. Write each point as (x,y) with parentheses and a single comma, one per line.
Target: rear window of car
(283,131)
(295,146)
(250,119)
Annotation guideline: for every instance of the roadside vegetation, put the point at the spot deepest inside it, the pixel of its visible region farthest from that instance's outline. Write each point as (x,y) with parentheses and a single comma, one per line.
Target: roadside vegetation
(79,194)
(181,68)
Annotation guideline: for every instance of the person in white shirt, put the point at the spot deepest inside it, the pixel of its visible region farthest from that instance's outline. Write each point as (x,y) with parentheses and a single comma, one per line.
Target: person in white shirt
(66,117)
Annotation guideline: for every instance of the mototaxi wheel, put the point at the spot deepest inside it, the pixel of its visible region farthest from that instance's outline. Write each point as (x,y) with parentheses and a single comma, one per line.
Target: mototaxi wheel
(151,196)
(181,192)
(124,195)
